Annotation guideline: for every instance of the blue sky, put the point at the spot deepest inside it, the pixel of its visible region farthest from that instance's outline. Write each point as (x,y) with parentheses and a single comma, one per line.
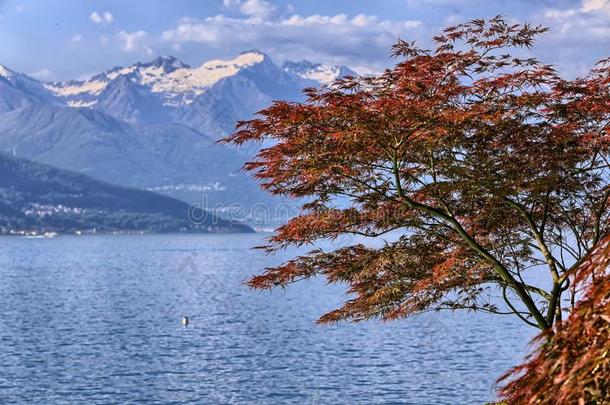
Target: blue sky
(68,39)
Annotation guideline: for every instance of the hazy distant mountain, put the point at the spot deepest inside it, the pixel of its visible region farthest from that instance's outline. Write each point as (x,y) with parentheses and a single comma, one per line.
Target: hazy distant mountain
(152,125)
(209,98)
(35,197)
(101,146)
(317,72)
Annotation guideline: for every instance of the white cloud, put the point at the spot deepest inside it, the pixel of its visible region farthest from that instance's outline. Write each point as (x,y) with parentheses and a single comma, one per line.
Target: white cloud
(428,3)
(76,39)
(576,34)
(135,41)
(193,32)
(590,21)
(363,40)
(553,13)
(590,8)
(256,9)
(595,5)
(101,17)
(96,17)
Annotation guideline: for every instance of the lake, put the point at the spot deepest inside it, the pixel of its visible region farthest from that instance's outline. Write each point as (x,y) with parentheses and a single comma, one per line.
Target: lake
(96,320)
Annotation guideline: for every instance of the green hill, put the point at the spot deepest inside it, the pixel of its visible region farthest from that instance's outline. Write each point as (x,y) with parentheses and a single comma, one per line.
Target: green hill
(40,198)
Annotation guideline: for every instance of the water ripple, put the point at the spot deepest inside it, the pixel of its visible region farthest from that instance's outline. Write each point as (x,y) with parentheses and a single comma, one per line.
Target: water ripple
(96,320)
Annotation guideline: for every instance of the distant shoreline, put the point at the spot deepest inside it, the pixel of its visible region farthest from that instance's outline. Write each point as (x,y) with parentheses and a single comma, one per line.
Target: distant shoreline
(52,234)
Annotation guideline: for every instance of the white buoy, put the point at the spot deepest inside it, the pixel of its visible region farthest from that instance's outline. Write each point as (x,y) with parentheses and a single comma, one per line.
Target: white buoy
(185,321)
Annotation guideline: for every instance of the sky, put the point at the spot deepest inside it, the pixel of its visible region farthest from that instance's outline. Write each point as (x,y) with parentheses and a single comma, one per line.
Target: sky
(73,39)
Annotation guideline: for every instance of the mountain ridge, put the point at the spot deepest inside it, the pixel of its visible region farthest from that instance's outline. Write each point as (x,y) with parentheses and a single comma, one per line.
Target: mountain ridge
(179,83)
(124,126)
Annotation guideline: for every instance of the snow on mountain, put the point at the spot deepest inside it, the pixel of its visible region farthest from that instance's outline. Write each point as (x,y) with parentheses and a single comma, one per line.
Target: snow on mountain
(239,97)
(185,84)
(6,72)
(175,82)
(172,83)
(210,98)
(153,125)
(323,74)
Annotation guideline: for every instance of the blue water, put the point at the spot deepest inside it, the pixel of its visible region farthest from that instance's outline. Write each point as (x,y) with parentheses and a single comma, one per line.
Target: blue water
(96,320)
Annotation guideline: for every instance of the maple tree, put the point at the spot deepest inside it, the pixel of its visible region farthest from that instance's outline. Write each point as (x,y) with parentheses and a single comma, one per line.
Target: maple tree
(573,366)
(488,163)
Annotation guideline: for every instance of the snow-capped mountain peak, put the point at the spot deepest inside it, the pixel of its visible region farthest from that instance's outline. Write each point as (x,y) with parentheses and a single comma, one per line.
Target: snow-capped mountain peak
(187,83)
(170,83)
(162,89)
(174,81)
(322,74)
(244,59)
(6,72)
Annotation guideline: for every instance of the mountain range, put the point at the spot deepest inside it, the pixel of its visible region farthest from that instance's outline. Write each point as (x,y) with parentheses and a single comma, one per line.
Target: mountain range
(153,125)
(36,198)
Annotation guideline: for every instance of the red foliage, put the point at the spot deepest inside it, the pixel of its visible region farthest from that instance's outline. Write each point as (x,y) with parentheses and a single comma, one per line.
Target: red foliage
(490,165)
(573,366)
